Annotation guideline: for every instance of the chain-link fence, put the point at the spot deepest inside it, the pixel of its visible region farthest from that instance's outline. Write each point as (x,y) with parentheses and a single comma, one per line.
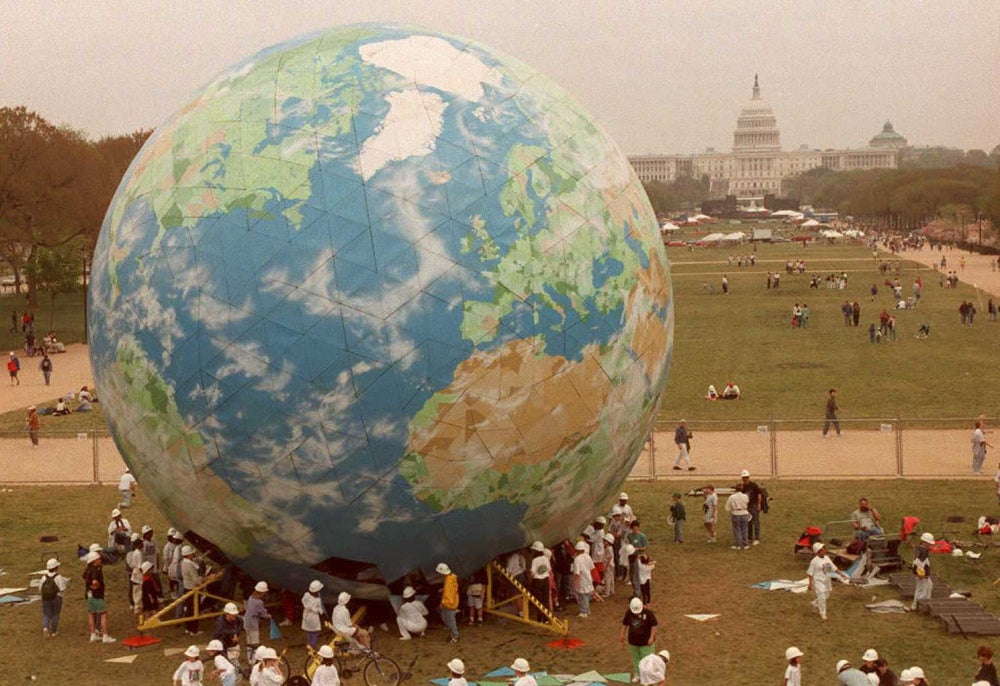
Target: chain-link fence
(789,448)
(797,448)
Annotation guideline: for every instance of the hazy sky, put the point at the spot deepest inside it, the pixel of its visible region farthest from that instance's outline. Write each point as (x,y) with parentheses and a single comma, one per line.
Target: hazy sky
(659,75)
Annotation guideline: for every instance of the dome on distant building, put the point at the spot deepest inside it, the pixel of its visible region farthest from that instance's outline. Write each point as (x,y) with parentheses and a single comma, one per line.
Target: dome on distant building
(756,127)
(887,139)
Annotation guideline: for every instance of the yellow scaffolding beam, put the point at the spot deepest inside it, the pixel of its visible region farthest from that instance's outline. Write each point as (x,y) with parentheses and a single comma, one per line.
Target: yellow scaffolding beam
(200,594)
(524,600)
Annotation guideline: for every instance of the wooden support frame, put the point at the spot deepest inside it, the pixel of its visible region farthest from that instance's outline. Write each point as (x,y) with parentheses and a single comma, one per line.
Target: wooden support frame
(165,615)
(522,601)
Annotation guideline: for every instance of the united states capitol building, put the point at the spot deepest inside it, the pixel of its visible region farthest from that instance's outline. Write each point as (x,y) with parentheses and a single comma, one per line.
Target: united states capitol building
(757,165)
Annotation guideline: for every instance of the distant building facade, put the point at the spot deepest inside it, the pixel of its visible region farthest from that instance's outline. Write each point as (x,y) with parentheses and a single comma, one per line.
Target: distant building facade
(757,166)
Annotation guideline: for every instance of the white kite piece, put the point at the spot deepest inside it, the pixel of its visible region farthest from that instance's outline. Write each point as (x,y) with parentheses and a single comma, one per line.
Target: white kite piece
(701,618)
(9,591)
(126,660)
(170,652)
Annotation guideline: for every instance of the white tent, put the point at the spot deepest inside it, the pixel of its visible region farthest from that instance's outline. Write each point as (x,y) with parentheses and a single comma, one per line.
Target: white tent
(701,217)
(712,238)
(809,223)
(734,236)
(830,233)
(786,213)
(668,227)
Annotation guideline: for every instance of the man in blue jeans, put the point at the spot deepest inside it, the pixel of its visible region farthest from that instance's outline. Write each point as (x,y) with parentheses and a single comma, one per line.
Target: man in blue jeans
(755,506)
(52,587)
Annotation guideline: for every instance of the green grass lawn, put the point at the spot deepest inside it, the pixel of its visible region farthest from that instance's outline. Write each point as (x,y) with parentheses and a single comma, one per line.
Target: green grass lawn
(746,337)
(749,638)
(65,317)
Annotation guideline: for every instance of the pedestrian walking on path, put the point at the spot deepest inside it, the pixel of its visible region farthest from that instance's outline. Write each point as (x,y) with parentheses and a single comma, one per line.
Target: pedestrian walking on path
(831,413)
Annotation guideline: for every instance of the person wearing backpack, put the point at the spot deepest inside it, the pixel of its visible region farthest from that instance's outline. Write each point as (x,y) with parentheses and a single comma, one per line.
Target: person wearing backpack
(51,589)
(757,504)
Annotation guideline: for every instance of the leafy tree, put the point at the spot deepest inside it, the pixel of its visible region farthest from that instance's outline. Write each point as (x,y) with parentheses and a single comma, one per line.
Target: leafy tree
(54,271)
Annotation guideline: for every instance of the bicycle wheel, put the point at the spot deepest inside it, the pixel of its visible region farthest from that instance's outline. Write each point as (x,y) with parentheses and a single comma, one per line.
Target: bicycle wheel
(381,671)
(312,662)
(286,669)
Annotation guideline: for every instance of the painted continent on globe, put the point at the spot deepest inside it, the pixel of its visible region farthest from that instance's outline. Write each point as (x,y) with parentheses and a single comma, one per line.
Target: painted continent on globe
(378,298)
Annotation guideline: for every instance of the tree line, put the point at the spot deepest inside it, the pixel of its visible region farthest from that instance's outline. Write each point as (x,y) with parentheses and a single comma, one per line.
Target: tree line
(55,186)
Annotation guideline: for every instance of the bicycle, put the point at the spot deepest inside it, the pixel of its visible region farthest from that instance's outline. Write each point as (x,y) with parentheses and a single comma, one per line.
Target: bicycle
(350,657)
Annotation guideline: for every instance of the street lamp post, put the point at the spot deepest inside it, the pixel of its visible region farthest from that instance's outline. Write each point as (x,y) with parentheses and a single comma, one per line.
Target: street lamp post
(84,258)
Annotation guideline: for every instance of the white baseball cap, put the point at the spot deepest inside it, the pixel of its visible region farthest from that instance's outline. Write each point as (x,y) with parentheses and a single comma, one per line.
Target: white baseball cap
(616,511)
(792,653)
(870,655)
(192,651)
(635,605)
(315,586)
(261,587)
(744,473)
(173,533)
(456,666)
(343,598)
(269,654)
(841,664)
(259,652)
(325,652)
(135,536)
(520,665)
(214,644)
(818,546)
(53,563)
(906,676)
(231,609)
(187,550)
(116,513)
(629,550)
(538,546)
(623,496)
(580,545)
(408,592)
(91,557)
(665,654)
(95,547)
(145,566)
(609,538)
(146,528)
(916,673)
(442,568)
(927,538)
(600,519)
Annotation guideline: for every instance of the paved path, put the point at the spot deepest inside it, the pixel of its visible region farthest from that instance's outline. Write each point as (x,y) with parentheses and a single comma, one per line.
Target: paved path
(865,450)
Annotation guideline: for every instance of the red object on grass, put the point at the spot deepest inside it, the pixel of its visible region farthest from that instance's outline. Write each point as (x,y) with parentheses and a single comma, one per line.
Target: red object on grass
(140,641)
(565,643)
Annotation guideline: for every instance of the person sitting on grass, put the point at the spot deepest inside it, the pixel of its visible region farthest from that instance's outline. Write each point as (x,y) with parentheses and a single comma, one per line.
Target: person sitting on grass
(731,392)
(712,393)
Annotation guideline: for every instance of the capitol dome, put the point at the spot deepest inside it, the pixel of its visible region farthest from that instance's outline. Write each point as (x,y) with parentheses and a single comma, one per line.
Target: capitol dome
(888,138)
(756,126)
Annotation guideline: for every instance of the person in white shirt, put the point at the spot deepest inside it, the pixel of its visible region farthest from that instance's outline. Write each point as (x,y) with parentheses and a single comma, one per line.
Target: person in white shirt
(119,531)
(344,625)
(583,582)
(979,445)
(326,673)
(653,668)
(191,579)
(627,514)
(271,673)
(126,487)
(133,562)
(312,613)
(52,605)
(190,671)
(457,669)
(793,672)
(521,675)
(711,510)
(171,563)
(737,506)
(541,569)
(609,565)
(412,616)
(225,671)
(821,571)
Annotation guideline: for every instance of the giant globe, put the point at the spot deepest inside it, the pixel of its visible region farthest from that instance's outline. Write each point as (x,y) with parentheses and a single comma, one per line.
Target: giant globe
(377,298)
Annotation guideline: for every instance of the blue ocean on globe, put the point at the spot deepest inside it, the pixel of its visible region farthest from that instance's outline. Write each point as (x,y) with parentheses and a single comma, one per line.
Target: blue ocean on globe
(379,297)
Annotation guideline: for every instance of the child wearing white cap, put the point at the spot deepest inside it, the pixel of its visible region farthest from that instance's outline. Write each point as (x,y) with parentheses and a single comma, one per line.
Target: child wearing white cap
(190,671)
(119,531)
(583,582)
(821,571)
(653,668)
(191,578)
(922,570)
(412,616)
(172,562)
(326,672)
(521,675)
(344,625)
(609,566)
(312,613)
(793,672)
(149,591)
(51,589)
(457,669)
(97,609)
(271,674)
(254,613)
(225,670)
(639,630)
